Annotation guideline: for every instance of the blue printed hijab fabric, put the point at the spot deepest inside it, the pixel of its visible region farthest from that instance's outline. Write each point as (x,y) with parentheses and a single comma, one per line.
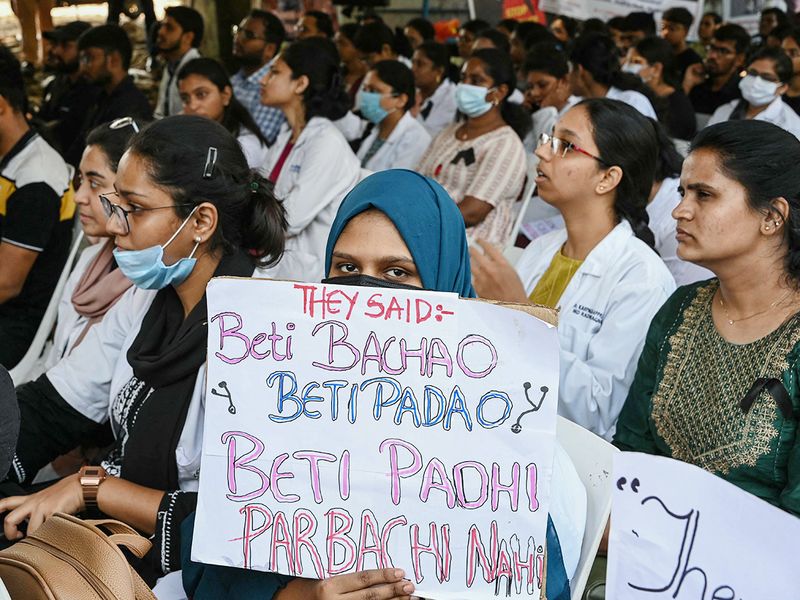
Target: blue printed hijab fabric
(428,221)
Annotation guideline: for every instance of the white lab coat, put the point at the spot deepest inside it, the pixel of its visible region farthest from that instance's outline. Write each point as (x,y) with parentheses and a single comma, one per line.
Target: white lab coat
(317,174)
(254,151)
(168,92)
(443,111)
(633,98)
(401,150)
(778,113)
(663,227)
(604,316)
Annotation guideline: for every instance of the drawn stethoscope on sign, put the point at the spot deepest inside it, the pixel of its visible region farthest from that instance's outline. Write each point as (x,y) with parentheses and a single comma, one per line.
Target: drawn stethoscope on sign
(226,393)
(516,427)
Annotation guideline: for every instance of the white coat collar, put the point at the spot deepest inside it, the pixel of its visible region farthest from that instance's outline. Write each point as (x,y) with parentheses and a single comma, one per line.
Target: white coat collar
(605,253)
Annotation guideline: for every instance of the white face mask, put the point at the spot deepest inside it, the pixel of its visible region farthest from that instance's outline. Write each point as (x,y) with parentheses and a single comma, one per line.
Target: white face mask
(632,68)
(758,91)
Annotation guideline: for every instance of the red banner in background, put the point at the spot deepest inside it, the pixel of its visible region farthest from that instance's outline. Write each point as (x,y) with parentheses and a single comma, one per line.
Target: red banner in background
(523,10)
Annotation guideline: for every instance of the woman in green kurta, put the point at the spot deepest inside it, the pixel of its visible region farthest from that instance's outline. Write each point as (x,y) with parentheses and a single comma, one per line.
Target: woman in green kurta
(717,382)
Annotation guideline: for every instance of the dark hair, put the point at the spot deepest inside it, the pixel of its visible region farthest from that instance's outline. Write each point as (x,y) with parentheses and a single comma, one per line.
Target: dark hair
(499,67)
(670,160)
(424,27)
(627,139)
(109,38)
(595,25)
(510,24)
(12,86)
(372,37)
(437,53)
(475,26)
(781,32)
(780,16)
(783,64)
(715,16)
(547,58)
(399,77)
(639,21)
(113,141)
(731,32)
(499,40)
(598,54)
(274,31)
(679,15)
(530,34)
(658,50)
(317,59)
(175,150)
(236,116)
(793,33)
(616,23)
(763,159)
(349,30)
(570,24)
(323,21)
(190,21)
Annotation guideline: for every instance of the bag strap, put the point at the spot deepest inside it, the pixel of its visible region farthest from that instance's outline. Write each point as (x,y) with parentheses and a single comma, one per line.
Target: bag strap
(135,543)
(112,525)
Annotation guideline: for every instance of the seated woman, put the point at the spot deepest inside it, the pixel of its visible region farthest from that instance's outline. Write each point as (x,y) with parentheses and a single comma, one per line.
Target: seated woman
(400,229)
(353,69)
(481,161)
(601,271)
(768,75)
(653,61)
(716,384)
(397,139)
(206,91)
(596,73)
(95,284)
(310,163)
(663,199)
(186,208)
(430,63)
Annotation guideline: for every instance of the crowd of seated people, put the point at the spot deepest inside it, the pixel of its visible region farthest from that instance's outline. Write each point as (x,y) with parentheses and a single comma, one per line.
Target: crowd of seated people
(654,177)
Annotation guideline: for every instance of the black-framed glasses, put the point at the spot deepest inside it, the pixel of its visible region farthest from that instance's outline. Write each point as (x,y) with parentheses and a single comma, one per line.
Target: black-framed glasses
(560,147)
(124,122)
(120,215)
(246,33)
(722,50)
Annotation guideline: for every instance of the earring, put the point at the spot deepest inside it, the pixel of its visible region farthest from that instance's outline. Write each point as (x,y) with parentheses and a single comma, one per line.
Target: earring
(198,239)
(767,228)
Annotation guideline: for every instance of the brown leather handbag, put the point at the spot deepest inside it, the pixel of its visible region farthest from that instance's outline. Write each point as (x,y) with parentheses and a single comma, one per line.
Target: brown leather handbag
(71,559)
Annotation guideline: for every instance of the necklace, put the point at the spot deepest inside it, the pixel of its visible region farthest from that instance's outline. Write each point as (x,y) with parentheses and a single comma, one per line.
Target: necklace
(761,312)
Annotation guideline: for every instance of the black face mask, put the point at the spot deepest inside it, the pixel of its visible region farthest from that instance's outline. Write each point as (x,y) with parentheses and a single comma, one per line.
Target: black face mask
(367,281)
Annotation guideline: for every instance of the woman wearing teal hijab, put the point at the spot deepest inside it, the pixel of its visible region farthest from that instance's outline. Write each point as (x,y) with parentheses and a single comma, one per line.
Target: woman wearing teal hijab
(429,225)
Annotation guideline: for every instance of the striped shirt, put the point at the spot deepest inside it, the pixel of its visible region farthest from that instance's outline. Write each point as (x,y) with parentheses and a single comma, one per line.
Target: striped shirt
(247,90)
(496,176)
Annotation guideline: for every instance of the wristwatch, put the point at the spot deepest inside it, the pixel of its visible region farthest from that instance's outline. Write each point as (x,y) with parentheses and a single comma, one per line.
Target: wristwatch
(90,479)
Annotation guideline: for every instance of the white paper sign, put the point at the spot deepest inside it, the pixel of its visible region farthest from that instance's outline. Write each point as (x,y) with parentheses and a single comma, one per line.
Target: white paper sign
(353,428)
(678,531)
(605,9)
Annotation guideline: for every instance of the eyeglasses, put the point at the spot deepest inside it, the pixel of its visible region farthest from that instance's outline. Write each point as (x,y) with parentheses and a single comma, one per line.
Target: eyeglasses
(765,76)
(120,215)
(248,34)
(560,147)
(124,122)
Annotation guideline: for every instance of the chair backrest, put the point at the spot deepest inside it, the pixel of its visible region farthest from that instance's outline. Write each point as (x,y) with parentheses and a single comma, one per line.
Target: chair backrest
(592,457)
(20,372)
(520,208)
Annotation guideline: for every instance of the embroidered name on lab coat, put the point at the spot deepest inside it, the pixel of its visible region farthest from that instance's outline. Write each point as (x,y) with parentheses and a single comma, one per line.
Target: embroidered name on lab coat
(588,313)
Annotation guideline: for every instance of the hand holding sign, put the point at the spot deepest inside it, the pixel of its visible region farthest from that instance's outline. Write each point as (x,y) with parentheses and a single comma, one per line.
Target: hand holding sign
(373,429)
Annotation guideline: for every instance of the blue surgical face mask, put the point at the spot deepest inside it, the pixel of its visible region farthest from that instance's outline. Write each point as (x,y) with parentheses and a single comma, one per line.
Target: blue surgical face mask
(471,99)
(369,103)
(146,268)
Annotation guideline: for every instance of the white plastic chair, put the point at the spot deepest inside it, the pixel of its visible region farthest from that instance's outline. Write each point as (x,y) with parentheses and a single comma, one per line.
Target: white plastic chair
(23,368)
(592,457)
(520,208)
